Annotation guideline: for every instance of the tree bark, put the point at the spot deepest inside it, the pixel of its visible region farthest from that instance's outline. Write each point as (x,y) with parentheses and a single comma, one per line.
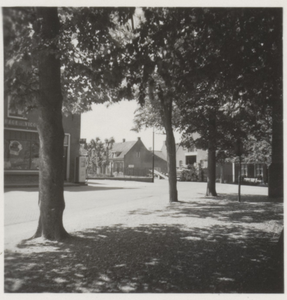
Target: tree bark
(276,174)
(171,152)
(211,189)
(276,169)
(172,180)
(51,134)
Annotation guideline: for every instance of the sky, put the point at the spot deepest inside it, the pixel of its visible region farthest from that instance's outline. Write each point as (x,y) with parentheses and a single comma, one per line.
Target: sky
(116,121)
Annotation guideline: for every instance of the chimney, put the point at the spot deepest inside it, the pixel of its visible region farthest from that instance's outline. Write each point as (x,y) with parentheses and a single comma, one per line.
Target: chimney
(139,138)
(124,140)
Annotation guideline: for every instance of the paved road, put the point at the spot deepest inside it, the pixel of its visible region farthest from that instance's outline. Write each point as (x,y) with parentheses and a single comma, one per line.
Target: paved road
(101,200)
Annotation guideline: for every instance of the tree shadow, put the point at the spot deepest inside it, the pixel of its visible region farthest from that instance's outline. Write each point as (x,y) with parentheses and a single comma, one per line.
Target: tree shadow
(147,259)
(222,209)
(248,198)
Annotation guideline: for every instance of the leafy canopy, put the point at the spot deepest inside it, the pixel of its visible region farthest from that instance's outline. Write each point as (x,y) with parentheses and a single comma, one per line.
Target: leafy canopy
(89,55)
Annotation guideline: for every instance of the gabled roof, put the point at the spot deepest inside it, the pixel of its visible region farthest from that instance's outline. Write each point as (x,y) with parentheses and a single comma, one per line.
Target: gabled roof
(122,148)
(160,154)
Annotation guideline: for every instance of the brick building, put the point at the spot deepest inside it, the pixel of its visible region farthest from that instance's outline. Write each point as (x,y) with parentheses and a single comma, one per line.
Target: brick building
(21,145)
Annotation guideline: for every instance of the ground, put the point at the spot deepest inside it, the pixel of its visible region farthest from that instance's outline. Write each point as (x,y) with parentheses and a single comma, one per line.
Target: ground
(126,237)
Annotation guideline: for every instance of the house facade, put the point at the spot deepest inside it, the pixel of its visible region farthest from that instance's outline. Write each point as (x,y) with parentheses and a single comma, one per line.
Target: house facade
(21,145)
(252,172)
(132,158)
(225,172)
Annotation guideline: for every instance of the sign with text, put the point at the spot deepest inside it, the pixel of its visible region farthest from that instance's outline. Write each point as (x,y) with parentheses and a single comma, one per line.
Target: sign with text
(19,123)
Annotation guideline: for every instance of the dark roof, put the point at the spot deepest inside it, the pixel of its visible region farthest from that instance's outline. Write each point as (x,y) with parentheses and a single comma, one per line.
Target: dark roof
(122,148)
(160,154)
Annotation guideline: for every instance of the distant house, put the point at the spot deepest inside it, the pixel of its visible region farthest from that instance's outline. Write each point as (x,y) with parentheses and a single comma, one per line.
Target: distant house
(132,158)
(160,162)
(225,172)
(252,172)
(187,156)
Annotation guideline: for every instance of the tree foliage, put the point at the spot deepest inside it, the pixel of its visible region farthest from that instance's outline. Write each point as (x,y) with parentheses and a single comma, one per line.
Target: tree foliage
(221,66)
(89,55)
(99,153)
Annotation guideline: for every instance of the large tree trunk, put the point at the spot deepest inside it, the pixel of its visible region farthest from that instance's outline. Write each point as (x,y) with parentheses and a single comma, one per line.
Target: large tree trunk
(276,175)
(172,180)
(211,190)
(171,152)
(51,133)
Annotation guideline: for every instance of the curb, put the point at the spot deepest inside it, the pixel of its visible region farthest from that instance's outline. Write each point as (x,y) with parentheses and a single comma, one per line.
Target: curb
(36,185)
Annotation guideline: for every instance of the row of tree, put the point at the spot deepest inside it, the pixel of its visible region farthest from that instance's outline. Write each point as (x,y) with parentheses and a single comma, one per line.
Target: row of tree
(201,69)
(219,72)
(99,154)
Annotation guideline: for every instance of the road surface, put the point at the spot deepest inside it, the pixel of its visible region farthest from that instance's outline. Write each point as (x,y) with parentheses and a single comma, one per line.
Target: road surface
(99,203)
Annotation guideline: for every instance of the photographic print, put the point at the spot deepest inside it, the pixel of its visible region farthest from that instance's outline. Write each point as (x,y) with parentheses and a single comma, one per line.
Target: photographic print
(150,157)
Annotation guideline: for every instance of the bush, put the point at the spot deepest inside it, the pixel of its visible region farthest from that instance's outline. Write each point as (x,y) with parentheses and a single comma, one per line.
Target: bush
(189,174)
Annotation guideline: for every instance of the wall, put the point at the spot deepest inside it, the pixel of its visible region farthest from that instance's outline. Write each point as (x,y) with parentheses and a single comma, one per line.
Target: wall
(160,164)
(18,128)
(72,126)
(141,160)
(251,172)
(224,172)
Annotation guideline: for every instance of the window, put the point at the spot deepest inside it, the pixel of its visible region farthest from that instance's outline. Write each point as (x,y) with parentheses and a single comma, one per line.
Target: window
(258,170)
(190,159)
(14,112)
(244,170)
(180,163)
(21,150)
(21,154)
(138,154)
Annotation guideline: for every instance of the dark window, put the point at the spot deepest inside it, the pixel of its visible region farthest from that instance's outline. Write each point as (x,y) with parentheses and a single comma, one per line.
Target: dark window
(190,159)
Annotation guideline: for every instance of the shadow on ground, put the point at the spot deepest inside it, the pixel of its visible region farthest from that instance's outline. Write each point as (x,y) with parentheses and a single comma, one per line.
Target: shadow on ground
(76,188)
(221,209)
(148,259)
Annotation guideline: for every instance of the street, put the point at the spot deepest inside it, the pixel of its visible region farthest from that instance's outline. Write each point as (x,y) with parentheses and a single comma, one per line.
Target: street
(126,237)
(102,202)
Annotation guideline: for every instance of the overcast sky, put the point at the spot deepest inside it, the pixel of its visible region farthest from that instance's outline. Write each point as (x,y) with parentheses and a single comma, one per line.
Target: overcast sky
(117,121)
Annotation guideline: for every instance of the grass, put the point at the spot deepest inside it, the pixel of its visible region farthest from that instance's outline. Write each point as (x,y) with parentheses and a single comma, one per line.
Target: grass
(204,245)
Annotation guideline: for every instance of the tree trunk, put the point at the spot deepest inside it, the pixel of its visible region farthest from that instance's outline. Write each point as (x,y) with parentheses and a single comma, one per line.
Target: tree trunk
(276,169)
(51,134)
(172,180)
(211,190)
(171,152)
(276,175)
(221,173)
